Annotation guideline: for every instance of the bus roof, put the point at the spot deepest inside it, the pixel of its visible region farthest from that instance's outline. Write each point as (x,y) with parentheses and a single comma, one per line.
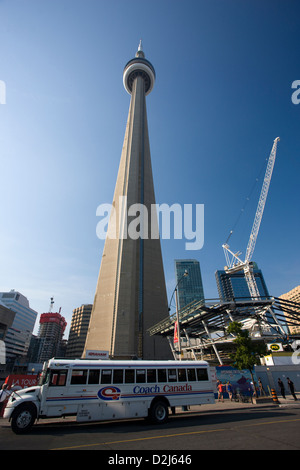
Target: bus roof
(61,363)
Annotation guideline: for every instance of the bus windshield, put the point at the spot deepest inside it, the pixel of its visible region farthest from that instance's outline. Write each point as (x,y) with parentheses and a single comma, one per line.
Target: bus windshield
(44,377)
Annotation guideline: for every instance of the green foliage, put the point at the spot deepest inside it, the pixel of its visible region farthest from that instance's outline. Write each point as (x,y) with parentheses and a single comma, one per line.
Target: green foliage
(247,351)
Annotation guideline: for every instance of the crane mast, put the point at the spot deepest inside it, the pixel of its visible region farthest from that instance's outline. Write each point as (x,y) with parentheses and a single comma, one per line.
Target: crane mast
(234,263)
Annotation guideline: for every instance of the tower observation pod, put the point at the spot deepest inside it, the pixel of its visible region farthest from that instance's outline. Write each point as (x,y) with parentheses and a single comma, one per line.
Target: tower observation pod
(139,67)
(131,292)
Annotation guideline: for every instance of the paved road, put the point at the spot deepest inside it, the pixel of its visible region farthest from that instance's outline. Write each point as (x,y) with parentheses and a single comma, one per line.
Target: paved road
(224,426)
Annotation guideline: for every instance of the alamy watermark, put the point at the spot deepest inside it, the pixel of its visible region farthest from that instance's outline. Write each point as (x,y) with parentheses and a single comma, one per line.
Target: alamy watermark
(2,92)
(120,221)
(296,95)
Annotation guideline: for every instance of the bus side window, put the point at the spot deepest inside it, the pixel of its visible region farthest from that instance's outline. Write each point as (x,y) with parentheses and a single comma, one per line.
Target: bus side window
(202,374)
(172,375)
(140,376)
(191,373)
(79,377)
(58,378)
(94,376)
(129,376)
(62,378)
(118,376)
(106,376)
(162,375)
(181,375)
(151,375)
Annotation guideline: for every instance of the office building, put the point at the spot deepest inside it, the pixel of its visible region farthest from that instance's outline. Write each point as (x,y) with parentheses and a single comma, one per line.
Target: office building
(18,335)
(234,285)
(292,320)
(189,287)
(78,331)
(6,320)
(7,317)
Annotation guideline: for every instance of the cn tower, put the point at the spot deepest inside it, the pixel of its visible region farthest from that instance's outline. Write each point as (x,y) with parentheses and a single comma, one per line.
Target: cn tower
(131,292)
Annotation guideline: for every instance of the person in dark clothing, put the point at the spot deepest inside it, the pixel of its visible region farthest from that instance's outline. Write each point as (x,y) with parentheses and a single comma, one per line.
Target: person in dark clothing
(282,389)
(261,388)
(291,387)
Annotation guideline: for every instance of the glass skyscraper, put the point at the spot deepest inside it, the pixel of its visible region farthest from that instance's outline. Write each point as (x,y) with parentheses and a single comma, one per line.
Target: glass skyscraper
(234,285)
(190,287)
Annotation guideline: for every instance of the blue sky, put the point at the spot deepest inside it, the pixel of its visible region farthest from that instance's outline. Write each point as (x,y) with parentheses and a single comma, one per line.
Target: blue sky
(222,95)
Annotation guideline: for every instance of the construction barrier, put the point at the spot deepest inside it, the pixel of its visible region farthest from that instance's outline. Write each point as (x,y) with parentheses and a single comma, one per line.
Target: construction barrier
(274,395)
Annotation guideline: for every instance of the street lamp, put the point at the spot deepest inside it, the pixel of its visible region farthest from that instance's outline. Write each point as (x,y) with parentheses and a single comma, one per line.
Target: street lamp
(177,313)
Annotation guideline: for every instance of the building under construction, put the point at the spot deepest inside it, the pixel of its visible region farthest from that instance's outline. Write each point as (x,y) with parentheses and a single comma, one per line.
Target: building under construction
(203,326)
(51,331)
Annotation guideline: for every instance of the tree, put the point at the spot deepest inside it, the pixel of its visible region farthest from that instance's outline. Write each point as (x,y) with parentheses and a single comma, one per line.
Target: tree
(247,352)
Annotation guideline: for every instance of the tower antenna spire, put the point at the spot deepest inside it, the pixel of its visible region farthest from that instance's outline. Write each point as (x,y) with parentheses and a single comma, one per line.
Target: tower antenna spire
(140,52)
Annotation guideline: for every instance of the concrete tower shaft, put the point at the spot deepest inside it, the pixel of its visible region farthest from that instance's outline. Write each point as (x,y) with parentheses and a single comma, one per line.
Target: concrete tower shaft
(131,293)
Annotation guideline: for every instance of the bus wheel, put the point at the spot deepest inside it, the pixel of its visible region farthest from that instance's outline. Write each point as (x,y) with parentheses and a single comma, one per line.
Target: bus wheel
(23,418)
(158,413)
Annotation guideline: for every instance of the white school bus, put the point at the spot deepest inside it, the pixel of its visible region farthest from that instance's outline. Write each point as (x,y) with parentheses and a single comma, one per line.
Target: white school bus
(97,390)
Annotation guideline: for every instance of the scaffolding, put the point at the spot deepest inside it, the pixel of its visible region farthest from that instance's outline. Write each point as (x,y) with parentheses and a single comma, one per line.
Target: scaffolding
(204,325)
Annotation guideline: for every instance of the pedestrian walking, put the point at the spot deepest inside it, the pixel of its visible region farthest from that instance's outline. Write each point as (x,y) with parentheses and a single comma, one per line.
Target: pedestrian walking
(261,388)
(4,394)
(229,390)
(282,389)
(220,391)
(291,387)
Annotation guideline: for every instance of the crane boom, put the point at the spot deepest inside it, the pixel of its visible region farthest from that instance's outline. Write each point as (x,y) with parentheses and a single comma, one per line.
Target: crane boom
(234,263)
(261,202)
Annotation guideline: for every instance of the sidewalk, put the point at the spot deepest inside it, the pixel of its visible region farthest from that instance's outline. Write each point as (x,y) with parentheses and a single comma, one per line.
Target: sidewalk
(228,405)
(289,401)
(260,402)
